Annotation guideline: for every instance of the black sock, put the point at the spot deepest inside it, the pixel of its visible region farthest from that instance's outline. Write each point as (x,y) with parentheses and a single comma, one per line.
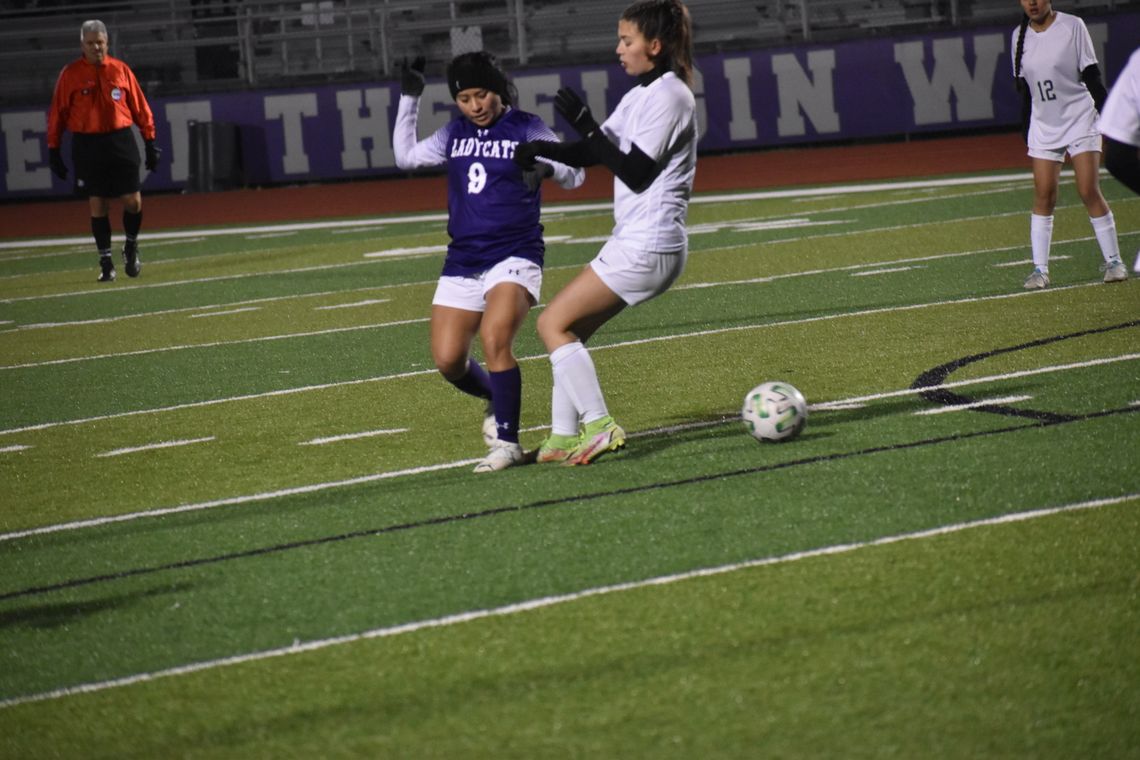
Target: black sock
(101,229)
(506,389)
(475,382)
(132,222)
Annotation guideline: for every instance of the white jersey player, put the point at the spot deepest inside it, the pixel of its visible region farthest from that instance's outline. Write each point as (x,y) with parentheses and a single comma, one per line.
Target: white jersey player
(1057,75)
(1120,125)
(650,144)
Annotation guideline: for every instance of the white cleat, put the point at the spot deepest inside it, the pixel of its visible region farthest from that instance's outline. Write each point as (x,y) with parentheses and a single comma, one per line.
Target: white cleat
(1037,281)
(1114,271)
(503,454)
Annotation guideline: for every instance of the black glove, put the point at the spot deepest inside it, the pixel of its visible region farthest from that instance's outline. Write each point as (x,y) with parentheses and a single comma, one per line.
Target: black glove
(55,161)
(524,155)
(534,176)
(567,103)
(152,154)
(412,77)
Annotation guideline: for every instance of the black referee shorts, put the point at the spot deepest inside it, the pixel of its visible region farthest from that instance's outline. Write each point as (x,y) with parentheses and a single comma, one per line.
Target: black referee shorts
(106,164)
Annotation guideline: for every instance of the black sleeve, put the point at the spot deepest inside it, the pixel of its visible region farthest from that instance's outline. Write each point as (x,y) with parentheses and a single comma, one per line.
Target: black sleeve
(635,169)
(1091,77)
(1026,107)
(1123,162)
(570,153)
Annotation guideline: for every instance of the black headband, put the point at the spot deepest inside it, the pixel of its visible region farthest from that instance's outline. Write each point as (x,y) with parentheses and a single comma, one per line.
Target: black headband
(475,70)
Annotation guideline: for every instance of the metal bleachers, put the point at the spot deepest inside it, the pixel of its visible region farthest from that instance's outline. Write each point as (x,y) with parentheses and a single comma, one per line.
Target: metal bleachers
(189,46)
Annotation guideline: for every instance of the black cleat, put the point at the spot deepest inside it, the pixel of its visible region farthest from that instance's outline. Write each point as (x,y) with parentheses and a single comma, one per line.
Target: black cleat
(131,259)
(107,266)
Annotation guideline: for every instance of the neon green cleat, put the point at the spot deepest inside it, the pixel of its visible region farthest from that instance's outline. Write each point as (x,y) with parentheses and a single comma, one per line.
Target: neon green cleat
(557,448)
(601,436)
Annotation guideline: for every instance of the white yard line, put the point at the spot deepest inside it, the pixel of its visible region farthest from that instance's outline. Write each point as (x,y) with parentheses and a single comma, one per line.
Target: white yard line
(889,270)
(539,603)
(154,446)
(685,286)
(1029,262)
(257,497)
(214,344)
(972,405)
(352,436)
(235,500)
(601,347)
(242,310)
(353,305)
(267,299)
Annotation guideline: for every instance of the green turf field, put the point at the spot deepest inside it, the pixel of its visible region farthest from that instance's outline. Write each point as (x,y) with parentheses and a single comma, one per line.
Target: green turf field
(239,517)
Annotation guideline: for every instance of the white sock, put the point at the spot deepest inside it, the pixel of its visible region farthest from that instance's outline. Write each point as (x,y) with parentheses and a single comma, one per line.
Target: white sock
(574,373)
(563,414)
(1041,238)
(1105,229)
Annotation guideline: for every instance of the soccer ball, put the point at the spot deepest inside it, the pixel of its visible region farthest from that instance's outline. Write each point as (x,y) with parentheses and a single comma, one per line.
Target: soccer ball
(774,412)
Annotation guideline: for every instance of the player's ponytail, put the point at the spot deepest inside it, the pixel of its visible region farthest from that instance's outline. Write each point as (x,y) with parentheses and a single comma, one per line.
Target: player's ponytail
(1020,47)
(667,21)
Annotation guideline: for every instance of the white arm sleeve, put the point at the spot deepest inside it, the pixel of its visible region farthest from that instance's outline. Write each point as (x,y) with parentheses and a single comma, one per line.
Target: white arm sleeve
(410,154)
(568,177)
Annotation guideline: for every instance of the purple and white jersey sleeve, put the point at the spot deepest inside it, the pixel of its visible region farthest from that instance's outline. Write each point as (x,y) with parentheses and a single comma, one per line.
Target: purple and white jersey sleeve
(410,153)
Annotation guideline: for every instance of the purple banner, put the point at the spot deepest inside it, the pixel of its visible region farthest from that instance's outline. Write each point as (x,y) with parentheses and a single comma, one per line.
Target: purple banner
(775,96)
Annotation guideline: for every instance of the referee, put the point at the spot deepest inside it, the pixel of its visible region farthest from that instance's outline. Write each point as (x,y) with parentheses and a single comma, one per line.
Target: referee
(98,98)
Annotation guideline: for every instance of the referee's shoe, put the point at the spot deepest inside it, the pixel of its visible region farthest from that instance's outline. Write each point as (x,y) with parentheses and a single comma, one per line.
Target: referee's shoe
(131,258)
(106,268)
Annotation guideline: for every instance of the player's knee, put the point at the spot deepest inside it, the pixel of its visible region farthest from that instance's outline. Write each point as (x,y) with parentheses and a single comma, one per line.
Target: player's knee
(549,327)
(451,367)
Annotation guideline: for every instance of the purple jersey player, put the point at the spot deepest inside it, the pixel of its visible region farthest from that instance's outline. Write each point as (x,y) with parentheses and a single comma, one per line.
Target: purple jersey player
(493,270)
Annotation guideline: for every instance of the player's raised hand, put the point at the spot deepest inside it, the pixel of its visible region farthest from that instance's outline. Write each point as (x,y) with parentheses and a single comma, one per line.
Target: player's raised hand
(570,105)
(412,77)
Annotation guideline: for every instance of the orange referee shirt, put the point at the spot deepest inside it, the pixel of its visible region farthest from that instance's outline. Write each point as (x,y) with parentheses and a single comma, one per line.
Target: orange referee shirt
(96,99)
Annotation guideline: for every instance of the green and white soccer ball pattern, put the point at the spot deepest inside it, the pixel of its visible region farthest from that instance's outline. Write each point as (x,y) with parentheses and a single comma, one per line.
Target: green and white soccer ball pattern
(774,411)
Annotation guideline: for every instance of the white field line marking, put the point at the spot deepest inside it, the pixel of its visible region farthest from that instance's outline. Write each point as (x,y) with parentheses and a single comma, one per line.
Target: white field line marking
(354,304)
(975,381)
(351,436)
(530,605)
(973,405)
(551,210)
(266,235)
(313,487)
(422,250)
(755,225)
(890,270)
(153,446)
(1029,262)
(267,299)
(13,448)
(236,500)
(325,267)
(214,344)
(845,268)
(226,312)
(229,399)
(713,284)
(657,339)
